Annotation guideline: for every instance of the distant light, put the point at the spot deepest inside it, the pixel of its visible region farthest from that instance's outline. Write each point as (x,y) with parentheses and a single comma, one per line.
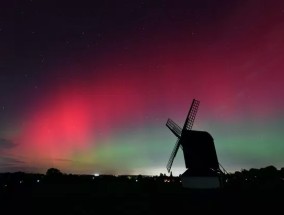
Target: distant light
(38,181)
(6,185)
(21,182)
(96,174)
(136,180)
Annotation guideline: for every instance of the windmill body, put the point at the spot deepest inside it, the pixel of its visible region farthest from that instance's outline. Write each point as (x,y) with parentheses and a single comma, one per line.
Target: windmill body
(199,154)
(199,151)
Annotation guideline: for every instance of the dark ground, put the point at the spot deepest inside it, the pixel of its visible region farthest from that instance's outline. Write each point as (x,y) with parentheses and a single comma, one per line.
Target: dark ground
(137,198)
(228,203)
(121,195)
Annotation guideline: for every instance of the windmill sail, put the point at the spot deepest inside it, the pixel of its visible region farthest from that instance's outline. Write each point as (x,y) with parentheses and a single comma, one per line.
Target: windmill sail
(191,115)
(174,127)
(178,131)
(173,154)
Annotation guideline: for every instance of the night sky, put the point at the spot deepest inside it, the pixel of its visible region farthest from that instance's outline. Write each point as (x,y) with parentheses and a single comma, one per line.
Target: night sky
(87,86)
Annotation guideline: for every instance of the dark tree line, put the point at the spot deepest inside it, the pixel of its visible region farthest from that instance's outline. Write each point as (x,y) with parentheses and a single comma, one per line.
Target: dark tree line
(263,178)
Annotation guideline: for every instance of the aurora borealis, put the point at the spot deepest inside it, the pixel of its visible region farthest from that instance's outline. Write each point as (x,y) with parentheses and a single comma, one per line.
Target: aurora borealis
(88,86)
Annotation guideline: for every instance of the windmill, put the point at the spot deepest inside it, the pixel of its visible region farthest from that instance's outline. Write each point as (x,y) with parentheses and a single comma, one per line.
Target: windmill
(199,153)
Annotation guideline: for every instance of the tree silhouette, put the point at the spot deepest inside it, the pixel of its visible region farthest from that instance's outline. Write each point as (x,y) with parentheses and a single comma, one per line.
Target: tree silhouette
(53,172)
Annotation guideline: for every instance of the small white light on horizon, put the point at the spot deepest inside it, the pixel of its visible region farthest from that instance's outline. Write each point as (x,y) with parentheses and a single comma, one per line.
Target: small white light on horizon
(96,174)
(38,181)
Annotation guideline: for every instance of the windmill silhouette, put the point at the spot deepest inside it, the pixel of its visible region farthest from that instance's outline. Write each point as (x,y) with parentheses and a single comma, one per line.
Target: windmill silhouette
(199,153)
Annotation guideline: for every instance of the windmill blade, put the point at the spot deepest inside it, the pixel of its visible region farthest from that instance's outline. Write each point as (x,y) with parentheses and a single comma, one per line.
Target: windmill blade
(173,155)
(174,127)
(191,115)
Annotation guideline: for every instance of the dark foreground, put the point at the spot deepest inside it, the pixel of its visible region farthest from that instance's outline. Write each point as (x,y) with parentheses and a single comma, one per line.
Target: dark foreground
(133,196)
(166,203)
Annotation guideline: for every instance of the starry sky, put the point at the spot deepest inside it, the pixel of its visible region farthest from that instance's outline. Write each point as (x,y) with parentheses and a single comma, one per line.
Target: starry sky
(87,86)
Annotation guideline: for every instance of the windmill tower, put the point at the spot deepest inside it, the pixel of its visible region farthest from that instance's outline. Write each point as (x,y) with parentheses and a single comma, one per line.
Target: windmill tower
(199,152)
